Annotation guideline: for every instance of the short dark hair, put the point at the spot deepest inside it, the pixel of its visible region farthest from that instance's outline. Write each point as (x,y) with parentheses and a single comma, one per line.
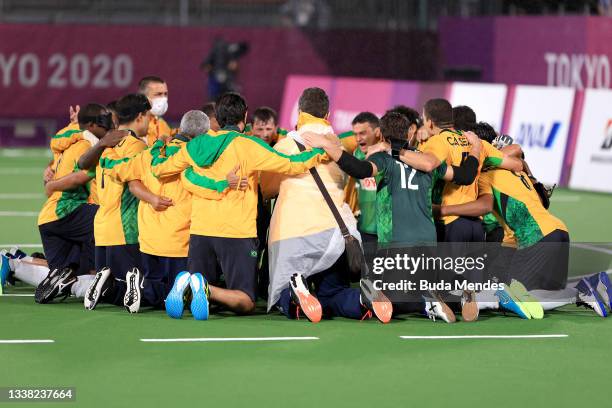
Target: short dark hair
(130,106)
(412,115)
(209,110)
(394,125)
(484,131)
(464,117)
(264,114)
(89,112)
(231,109)
(145,81)
(112,106)
(367,117)
(439,111)
(314,101)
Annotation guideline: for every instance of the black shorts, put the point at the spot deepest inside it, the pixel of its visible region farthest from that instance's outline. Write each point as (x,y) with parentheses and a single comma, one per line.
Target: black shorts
(159,273)
(543,265)
(119,258)
(70,240)
(464,229)
(235,258)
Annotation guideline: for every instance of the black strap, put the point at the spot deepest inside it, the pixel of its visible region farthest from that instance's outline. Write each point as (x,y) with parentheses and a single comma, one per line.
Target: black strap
(317,178)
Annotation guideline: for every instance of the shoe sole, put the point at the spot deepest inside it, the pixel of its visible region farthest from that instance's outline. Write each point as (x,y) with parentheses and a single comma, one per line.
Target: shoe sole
(469,310)
(50,294)
(310,306)
(525,313)
(134,307)
(533,306)
(604,279)
(175,304)
(97,288)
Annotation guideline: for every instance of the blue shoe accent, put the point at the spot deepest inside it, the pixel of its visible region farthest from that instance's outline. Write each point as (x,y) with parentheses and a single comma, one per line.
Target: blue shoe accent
(199,302)
(587,296)
(508,302)
(604,280)
(174,301)
(4,269)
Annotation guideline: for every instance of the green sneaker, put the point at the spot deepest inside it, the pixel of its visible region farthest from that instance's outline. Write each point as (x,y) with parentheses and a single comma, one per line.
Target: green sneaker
(532,304)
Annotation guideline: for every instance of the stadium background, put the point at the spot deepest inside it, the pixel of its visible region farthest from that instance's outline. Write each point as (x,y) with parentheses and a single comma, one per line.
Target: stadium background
(537,70)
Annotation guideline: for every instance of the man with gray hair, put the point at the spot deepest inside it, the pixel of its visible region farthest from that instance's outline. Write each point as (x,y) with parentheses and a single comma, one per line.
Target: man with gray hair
(163,226)
(194,123)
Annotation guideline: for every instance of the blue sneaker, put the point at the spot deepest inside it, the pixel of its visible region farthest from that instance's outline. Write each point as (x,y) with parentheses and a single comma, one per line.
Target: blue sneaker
(601,282)
(175,303)
(508,301)
(199,301)
(588,297)
(5,269)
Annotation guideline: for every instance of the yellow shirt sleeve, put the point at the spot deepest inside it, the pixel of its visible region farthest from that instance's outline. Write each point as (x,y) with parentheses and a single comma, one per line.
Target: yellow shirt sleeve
(438,147)
(263,158)
(269,181)
(492,156)
(128,170)
(174,164)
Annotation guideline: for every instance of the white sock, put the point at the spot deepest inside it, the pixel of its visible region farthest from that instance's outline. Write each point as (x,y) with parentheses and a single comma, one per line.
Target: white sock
(27,272)
(79,287)
(486,299)
(553,299)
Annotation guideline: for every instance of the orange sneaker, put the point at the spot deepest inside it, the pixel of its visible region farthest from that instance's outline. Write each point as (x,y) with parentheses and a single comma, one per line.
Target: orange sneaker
(303,299)
(375,301)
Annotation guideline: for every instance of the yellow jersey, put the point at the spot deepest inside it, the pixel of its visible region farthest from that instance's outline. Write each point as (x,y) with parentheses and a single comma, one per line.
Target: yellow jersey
(517,204)
(211,157)
(161,233)
(116,221)
(452,147)
(62,203)
(158,130)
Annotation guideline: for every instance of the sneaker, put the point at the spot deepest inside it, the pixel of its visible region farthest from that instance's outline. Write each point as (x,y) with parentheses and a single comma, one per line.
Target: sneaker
(200,294)
(17,253)
(175,301)
(133,293)
(375,301)
(469,307)
(533,306)
(601,283)
(588,297)
(101,286)
(56,284)
(5,269)
(508,301)
(435,308)
(303,299)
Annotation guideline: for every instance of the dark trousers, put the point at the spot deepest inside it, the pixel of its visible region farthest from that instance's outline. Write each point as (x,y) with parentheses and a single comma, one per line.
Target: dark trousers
(332,289)
(119,259)
(159,275)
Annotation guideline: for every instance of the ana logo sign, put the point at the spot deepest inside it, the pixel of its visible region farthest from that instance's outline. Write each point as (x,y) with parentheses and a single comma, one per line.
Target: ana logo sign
(537,135)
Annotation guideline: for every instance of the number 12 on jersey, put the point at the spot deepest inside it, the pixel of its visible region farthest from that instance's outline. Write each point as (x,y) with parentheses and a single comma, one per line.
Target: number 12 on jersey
(410,185)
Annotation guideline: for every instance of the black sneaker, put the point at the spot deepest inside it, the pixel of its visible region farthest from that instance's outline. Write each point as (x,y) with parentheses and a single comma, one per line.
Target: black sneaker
(40,289)
(58,286)
(374,301)
(133,294)
(101,286)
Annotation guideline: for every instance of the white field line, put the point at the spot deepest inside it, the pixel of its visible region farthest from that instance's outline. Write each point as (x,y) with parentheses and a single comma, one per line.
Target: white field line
(26,341)
(18,213)
(486,336)
(18,294)
(11,152)
(21,196)
(227,339)
(592,248)
(21,245)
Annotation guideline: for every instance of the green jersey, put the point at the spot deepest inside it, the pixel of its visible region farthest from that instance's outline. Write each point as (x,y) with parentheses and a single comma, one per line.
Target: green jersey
(367,200)
(408,219)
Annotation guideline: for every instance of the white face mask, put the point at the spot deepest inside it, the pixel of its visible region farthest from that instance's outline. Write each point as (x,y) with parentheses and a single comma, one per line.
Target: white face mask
(159,106)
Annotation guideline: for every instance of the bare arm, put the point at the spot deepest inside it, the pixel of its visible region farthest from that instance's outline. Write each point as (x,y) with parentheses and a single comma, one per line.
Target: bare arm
(68,182)
(482,206)
(421,161)
(144,194)
(91,158)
